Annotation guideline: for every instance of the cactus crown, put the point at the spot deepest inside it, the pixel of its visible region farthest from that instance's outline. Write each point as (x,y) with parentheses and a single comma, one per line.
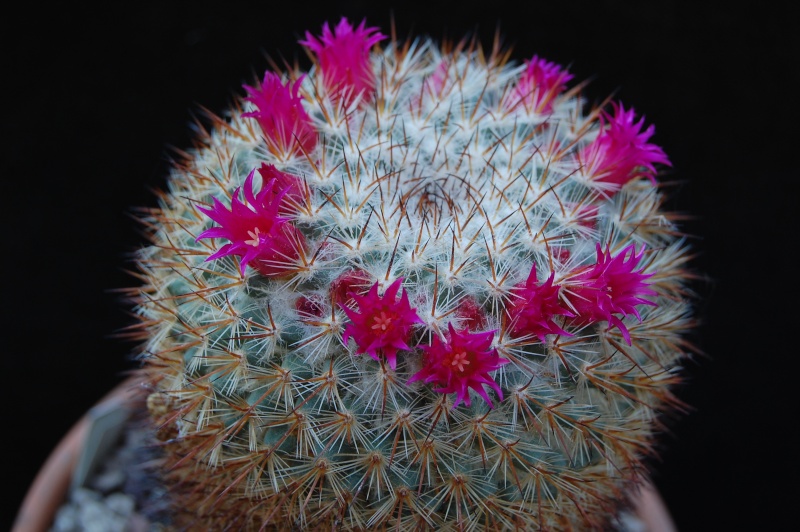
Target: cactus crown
(414,287)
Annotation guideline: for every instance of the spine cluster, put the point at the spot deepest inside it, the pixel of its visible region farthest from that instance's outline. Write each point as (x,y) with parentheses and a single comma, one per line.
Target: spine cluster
(416,287)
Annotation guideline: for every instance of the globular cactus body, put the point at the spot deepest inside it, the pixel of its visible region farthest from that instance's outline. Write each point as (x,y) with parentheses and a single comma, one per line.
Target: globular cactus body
(415,287)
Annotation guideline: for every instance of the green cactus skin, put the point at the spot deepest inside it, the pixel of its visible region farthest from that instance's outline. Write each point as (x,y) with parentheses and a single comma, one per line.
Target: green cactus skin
(270,422)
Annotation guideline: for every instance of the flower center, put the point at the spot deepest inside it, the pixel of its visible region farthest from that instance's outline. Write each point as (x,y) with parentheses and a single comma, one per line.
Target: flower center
(459,360)
(382,322)
(254,238)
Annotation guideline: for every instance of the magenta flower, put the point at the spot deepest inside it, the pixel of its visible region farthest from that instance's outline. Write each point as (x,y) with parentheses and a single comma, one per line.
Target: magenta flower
(382,324)
(350,282)
(286,125)
(461,362)
(621,153)
(612,286)
(539,85)
(257,232)
(470,313)
(309,306)
(436,82)
(289,187)
(533,306)
(343,58)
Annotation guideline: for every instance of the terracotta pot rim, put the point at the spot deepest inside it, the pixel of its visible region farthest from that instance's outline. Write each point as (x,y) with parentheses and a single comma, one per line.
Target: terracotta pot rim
(51,484)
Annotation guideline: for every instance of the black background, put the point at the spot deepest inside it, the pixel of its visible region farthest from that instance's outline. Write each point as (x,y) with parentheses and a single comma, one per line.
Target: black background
(98,97)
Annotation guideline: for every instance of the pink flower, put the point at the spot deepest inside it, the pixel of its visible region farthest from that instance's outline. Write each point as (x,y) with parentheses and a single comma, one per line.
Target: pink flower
(470,313)
(561,254)
(461,362)
(256,231)
(621,153)
(343,58)
(436,82)
(539,85)
(348,283)
(382,324)
(286,125)
(611,286)
(289,187)
(533,307)
(309,306)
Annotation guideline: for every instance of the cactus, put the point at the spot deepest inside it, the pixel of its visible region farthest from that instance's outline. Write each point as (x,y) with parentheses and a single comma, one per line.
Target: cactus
(417,286)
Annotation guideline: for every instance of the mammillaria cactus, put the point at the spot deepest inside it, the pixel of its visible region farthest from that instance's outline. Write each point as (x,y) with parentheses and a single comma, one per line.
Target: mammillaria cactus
(414,287)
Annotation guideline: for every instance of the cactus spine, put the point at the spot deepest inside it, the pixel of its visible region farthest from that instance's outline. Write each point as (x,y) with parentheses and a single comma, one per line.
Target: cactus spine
(414,287)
